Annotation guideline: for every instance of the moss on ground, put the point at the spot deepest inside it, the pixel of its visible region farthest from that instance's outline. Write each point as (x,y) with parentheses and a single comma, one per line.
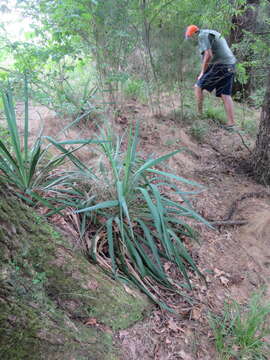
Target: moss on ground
(47,291)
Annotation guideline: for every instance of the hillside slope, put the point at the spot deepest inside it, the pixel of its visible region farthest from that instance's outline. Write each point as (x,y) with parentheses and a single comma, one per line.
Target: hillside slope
(53,303)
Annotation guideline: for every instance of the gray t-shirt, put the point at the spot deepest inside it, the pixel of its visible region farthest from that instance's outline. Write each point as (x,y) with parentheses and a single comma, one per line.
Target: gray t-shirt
(211,39)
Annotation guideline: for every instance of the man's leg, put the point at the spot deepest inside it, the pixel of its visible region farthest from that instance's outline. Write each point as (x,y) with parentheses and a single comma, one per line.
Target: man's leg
(228,105)
(199,99)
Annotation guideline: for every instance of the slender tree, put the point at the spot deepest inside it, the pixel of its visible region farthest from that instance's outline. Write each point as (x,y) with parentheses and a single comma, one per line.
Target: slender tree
(245,21)
(261,154)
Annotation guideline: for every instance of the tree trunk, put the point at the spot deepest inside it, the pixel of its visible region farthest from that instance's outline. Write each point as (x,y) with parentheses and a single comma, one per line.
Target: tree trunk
(241,23)
(261,154)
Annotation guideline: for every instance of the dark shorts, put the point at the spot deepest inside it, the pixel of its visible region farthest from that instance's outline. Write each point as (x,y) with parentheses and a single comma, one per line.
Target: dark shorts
(219,77)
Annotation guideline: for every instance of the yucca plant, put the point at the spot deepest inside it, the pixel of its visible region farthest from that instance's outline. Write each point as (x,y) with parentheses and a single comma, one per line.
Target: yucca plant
(138,228)
(30,168)
(18,162)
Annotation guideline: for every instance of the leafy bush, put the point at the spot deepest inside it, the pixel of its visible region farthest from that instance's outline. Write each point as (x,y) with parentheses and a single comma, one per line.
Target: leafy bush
(69,92)
(240,331)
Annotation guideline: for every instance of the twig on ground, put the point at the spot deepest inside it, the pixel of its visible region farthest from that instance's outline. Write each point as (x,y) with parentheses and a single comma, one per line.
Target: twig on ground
(243,142)
(228,222)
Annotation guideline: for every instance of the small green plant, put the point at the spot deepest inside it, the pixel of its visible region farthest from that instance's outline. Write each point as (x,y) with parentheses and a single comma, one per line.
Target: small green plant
(215,114)
(250,126)
(134,88)
(247,119)
(239,333)
(257,97)
(188,116)
(39,278)
(199,129)
(241,73)
(170,142)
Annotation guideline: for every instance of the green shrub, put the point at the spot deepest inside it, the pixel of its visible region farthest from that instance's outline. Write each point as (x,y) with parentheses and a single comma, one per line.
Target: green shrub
(69,89)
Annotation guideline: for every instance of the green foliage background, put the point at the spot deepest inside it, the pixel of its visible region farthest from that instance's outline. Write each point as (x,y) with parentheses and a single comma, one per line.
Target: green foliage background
(77,46)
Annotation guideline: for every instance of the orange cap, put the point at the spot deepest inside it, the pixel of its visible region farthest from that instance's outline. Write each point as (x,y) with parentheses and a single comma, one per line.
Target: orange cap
(191,29)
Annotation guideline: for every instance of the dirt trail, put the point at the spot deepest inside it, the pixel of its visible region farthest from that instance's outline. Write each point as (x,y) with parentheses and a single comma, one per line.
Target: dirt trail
(235,259)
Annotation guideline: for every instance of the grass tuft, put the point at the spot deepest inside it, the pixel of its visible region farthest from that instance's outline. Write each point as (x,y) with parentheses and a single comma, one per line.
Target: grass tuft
(215,114)
(241,331)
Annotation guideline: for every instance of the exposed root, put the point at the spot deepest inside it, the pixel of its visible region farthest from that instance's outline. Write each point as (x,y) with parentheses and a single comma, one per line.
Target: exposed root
(234,206)
(228,222)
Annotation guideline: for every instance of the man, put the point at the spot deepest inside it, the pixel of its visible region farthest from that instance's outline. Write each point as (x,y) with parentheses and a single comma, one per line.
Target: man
(217,69)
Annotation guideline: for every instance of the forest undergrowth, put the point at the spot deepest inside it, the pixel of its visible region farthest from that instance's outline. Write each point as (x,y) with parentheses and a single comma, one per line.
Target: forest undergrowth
(234,259)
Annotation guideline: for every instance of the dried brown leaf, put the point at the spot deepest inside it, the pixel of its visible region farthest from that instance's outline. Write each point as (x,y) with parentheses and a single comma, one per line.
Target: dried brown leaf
(160,331)
(130,291)
(91,322)
(196,313)
(218,272)
(225,281)
(185,356)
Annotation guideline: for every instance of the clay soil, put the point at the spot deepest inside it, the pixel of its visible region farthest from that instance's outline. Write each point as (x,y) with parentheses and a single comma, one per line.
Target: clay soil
(234,258)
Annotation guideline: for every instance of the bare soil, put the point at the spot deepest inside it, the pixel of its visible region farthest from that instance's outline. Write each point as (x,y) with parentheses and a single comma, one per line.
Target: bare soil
(235,259)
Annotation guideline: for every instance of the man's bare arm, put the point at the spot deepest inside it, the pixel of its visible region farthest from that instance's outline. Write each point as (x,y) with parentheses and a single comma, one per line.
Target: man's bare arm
(207,56)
